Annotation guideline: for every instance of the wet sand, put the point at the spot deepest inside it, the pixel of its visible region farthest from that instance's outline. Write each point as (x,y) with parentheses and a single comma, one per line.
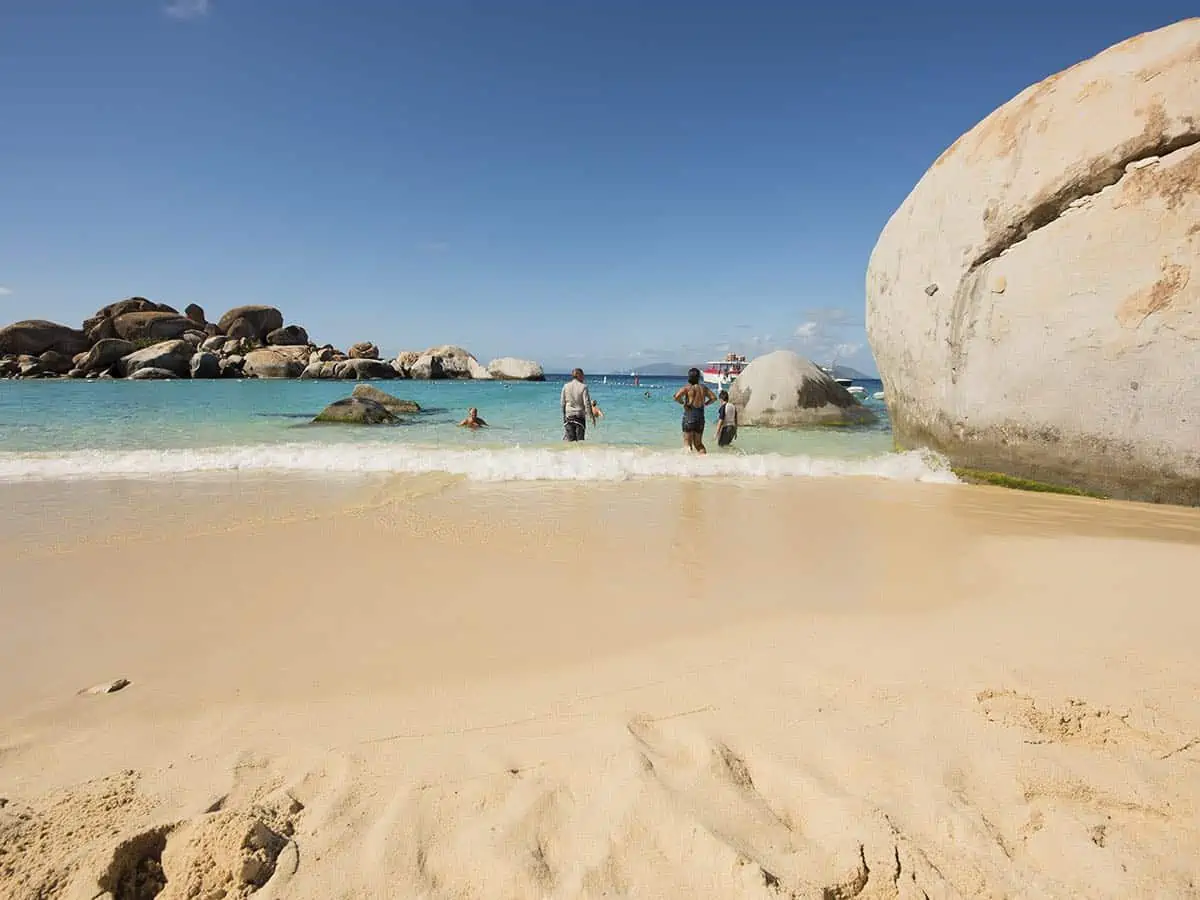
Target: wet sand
(421,687)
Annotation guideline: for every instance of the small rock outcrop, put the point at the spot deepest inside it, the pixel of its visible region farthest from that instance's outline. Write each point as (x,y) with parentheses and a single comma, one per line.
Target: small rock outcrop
(509,369)
(356,411)
(364,350)
(56,363)
(276,362)
(34,337)
(171,356)
(105,353)
(288,336)
(782,389)
(259,321)
(151,373)
(205,365)
(1034,303)
(363,369)
(384,399)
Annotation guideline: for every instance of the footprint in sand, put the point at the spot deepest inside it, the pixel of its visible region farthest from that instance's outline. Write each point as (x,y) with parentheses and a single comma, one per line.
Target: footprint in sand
(1073,722)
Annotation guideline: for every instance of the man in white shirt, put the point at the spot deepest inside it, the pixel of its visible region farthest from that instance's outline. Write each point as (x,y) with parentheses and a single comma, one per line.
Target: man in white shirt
(576,406)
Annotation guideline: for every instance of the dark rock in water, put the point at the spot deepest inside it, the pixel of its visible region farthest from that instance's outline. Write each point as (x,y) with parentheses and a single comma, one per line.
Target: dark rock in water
(140,326)
(173,356)
(384,399)
(152,374)
(105,353)
(77,373)
(58,363)
(364,350)
(782,389)
(36,336)
(232,366)
(356,411)
(195,312)
(288,336)
(206,365)
(363,369)
(261,319)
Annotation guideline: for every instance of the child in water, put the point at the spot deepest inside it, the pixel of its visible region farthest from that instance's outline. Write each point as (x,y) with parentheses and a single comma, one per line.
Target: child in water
(726,421)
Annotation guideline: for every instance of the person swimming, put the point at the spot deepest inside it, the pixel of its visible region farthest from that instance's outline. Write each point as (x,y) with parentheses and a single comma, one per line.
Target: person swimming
(693,397)
(473,420)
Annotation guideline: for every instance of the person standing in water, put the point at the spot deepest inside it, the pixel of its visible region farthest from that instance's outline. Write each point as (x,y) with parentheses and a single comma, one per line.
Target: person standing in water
(576,405)
(472,420)
(693,397)
(727,419)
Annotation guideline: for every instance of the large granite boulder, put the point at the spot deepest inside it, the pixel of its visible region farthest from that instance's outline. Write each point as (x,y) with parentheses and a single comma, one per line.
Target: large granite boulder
(152,373)
(56,363)
(144,326)
(205,365)
(105,353)
(259,321)
(363,369)
(1034,304)
(510,369)
(195,312)
(783,390)
(447,361)
(364,350)
(214,344)
(384,399)
(111,311)
(288,336)
(356,411)
(34,337)
(404,360)
(276,362)
(171,356)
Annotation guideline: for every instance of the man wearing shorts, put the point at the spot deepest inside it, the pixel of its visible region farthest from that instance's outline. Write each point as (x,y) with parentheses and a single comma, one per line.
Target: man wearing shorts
(576,406)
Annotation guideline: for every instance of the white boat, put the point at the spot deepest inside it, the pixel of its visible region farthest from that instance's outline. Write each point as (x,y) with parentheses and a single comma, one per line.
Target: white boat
(721,373)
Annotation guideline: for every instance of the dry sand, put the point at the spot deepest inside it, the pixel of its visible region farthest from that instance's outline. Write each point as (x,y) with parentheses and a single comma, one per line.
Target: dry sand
(423,688)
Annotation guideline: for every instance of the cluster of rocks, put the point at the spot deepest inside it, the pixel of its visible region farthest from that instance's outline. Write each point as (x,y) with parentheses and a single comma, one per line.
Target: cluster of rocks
(139,339)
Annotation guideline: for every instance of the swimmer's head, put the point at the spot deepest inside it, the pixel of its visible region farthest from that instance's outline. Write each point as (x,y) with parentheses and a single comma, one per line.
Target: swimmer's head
(693,376)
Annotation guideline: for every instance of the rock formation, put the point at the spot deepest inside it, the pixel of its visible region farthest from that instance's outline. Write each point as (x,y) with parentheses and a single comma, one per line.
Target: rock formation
(356,411)
(510,369)
(171,356)
(36,336)
(384,399)
(364,350)
(288,336)
(276,362)
(782,389)
(1034,304)
(254,322)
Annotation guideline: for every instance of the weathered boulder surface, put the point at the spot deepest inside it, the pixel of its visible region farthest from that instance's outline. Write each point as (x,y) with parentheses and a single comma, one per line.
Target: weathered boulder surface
(172,356)
(205,365)
(259,320)
(782,389)
(141,326)
(242,330)
(106,313)
(276,362)
(447,361)
(384,399)
(288,336)
(214,343)
(511,369)
(105,353)
(150,373)
(364,350)
(363,369)
(356,411)
(56,363)
(35,336)
(1034,304)
(195,312)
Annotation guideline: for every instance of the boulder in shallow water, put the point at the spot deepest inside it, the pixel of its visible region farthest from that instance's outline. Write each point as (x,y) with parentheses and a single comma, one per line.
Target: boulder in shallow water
(206,365)
(276,362)
(363,369)
(172,356)
(58,363)
(258,321)
(105,353)
(152,374)
(36,336)
(356,411)
(1034,303)
(233,366)
(384,399)
(782,389)
(508,368)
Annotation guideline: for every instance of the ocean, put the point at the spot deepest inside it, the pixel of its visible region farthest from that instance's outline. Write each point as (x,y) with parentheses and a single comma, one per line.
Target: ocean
(59,429)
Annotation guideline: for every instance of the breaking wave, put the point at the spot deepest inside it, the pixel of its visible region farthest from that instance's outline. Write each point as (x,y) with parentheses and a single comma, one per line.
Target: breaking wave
(507,464)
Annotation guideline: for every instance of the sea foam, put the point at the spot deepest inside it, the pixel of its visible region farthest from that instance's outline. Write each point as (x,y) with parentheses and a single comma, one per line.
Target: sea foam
(507,464)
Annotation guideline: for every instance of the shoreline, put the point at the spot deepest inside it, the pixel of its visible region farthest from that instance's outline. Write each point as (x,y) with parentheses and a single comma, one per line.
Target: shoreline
(416,683)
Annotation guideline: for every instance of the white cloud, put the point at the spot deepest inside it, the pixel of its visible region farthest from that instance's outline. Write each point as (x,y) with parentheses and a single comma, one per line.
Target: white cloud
(4,292)
(806,330)
(188,9)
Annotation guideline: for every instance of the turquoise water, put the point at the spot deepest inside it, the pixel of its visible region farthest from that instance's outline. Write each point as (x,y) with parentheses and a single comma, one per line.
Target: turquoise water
(73,429)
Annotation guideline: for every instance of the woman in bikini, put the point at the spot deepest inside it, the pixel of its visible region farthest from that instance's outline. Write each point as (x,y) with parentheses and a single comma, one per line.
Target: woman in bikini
(693,397)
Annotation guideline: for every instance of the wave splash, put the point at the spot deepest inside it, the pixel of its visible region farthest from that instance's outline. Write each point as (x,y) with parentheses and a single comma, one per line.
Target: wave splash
(508,464)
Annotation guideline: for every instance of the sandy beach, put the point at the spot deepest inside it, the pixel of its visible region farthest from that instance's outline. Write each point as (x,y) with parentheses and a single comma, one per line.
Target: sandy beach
(428,688)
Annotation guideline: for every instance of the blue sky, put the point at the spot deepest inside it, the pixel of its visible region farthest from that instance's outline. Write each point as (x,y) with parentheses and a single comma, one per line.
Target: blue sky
(608,183)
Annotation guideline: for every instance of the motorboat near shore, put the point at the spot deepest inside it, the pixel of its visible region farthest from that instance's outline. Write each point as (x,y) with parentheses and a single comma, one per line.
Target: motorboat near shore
(722,373)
